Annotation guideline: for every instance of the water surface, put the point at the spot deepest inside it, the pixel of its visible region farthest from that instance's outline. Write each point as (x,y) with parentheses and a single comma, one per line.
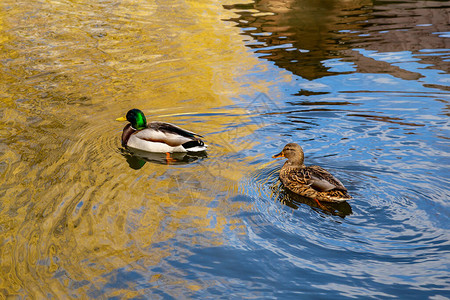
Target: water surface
(363,86)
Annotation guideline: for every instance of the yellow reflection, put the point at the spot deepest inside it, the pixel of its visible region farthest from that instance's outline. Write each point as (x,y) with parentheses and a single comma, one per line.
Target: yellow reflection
(72,210)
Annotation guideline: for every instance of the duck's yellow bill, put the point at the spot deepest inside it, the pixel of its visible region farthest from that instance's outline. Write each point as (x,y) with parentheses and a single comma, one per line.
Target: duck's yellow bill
(121,119)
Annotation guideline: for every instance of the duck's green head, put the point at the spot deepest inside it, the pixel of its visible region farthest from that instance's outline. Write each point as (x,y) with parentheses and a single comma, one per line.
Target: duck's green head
(137,119)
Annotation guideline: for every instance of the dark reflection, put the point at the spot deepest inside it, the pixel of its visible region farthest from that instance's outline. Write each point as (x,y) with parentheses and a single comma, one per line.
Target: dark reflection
(393,120)
(303,92)
(293,200)
(136,159)
(302,36)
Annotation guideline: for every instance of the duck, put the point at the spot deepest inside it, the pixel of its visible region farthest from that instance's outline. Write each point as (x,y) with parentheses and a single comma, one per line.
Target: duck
(158,137)
(309,181)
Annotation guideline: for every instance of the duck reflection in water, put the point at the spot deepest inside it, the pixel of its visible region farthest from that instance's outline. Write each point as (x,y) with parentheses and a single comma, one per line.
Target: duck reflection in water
(136,159)
(293,200)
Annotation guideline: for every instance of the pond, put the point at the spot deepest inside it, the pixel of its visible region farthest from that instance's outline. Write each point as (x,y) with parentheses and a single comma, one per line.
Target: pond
(363,86)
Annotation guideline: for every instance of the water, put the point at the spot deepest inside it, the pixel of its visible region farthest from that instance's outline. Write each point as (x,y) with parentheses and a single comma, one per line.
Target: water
(363,86)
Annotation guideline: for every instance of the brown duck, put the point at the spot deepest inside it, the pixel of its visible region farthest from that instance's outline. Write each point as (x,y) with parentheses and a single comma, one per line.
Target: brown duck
(312,181)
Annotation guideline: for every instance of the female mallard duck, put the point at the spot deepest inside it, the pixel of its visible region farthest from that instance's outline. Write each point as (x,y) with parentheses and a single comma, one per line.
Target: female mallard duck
(158,136)
(312,181)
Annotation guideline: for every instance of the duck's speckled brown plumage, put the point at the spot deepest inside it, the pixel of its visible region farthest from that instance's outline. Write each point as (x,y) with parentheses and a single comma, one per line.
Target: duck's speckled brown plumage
(309,181)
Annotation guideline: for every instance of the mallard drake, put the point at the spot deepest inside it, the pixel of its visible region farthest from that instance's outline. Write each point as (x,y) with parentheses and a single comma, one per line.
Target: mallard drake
(312,181)
(158,137)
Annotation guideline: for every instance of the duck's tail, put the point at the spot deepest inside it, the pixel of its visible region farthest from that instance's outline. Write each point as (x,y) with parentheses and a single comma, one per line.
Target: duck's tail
(195,146)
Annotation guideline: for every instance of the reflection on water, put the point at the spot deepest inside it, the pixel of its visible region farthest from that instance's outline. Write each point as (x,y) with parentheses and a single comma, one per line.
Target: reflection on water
(361,85)
(306,36)
(292,200)
(137,158)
